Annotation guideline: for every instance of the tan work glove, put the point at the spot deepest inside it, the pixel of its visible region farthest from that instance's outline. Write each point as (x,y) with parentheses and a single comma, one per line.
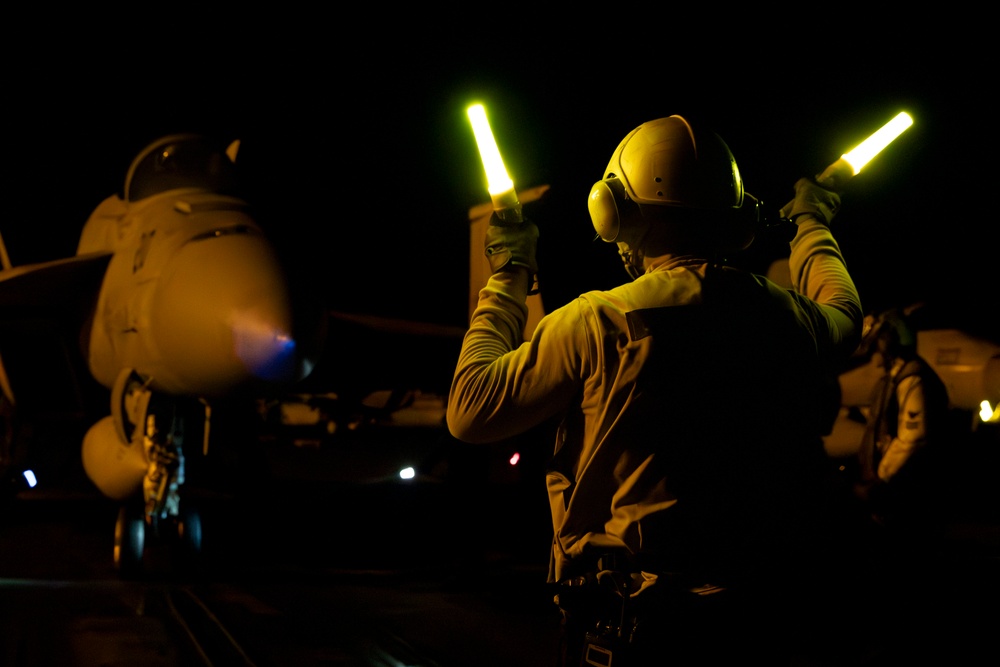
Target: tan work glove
(511,244)
(813,199)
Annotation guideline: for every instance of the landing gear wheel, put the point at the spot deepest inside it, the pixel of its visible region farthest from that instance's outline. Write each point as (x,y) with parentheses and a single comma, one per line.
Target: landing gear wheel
(130,540)
(188,541)
(189,531)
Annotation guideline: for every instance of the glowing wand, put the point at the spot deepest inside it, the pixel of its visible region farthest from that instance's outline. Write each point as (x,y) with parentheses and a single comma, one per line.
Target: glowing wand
(851,162)
(499,184)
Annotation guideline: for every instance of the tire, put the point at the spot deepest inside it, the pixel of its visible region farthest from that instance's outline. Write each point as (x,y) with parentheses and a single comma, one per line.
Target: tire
(189,531)
(130,540)
(188,543)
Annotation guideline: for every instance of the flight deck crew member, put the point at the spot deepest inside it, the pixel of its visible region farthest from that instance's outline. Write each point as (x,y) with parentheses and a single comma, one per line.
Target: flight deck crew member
(898,457)
(690,404)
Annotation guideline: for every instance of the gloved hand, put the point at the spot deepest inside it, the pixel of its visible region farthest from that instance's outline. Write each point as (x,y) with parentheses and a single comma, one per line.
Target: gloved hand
(511,244)
(811,198)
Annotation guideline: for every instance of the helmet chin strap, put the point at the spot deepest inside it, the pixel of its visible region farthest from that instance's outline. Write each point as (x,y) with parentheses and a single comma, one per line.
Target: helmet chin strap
(627,255)
(632,240)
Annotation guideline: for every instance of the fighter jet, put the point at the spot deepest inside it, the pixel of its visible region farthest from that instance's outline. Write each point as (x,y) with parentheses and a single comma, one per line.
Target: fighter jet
(175,300)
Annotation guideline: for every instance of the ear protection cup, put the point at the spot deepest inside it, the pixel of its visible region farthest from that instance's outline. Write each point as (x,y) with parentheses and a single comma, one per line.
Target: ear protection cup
(750,210)
(749,217)
(611,209)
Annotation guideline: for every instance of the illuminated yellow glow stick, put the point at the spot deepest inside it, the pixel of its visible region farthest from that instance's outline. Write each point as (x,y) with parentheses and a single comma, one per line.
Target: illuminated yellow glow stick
(851,162)
(874,144)
(499,183)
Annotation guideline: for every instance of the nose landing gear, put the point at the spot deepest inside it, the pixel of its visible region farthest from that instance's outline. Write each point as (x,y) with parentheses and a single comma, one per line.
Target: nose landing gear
(156,522)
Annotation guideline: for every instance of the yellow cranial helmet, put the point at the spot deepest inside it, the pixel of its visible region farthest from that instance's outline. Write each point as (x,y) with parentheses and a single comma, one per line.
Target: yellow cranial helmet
(667,162)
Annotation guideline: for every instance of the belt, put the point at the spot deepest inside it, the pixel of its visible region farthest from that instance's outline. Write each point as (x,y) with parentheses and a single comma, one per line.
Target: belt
(619,565)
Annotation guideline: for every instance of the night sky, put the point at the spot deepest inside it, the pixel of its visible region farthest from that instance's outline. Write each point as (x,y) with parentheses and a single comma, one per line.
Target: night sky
(361,162)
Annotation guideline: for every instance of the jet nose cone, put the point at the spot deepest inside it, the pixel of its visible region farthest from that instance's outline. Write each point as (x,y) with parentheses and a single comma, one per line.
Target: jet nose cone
(225,319)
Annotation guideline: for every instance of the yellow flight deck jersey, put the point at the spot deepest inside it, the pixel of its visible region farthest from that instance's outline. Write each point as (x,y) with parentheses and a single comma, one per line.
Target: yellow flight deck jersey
(690,403)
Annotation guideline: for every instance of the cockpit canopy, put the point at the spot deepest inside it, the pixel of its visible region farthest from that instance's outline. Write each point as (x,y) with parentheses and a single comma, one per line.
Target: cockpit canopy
(181,161)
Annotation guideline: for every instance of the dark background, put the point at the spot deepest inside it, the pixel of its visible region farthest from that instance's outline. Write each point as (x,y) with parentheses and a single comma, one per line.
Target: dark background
(359,157)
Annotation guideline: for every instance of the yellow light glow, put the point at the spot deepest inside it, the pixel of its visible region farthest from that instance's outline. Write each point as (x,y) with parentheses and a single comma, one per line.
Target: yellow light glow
(873,145)
(986,412)
(498,182)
